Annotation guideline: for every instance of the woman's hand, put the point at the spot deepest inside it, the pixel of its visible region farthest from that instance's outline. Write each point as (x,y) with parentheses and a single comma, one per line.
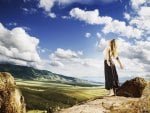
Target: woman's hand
(121,66)
(108,62)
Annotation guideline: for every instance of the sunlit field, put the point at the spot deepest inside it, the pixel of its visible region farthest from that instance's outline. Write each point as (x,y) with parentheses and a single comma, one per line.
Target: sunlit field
(42,95)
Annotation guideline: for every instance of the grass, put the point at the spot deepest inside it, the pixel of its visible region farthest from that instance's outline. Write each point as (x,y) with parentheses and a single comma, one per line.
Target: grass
(41,95)
(36,111)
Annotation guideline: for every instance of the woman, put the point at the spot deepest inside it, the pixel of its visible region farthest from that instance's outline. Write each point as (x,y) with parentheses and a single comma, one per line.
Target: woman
(111,76)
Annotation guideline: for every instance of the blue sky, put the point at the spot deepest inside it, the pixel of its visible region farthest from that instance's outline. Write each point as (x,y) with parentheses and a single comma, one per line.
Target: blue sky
(69,36)
(52,31)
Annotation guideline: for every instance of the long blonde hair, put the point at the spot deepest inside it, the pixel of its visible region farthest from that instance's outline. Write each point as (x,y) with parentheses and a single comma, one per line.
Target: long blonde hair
(113,48)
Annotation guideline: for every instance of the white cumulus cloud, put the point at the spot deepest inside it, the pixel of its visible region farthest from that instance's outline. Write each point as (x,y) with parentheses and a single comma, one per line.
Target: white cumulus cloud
(122,29)
(72,63)
(141,16)
(46,4)
(110,25)
(90,17)
(61,54)
(17,45)
(137,3)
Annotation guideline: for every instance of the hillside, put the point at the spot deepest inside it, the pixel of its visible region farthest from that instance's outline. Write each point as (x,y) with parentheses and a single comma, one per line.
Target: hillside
(29,73)
(16,95)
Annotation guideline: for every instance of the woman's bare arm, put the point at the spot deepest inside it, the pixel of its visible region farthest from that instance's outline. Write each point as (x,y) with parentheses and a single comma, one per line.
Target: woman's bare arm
(119,62)
(108,57)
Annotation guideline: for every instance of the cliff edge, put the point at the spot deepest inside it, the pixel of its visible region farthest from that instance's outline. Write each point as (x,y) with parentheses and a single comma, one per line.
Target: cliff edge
(134,97)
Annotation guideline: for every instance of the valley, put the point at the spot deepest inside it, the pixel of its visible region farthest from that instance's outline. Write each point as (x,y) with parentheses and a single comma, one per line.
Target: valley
(43,95)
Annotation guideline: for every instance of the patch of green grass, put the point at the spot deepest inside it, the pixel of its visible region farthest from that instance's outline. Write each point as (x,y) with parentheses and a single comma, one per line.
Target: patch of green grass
(36,111)
(40,95)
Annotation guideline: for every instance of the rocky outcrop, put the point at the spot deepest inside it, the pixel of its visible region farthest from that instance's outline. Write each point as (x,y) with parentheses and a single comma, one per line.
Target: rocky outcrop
(118,104)
(132,88)
(11,100)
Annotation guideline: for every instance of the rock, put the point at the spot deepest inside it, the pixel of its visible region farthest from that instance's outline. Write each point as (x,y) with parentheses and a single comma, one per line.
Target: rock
(11,100)
(132,88)
(118,104)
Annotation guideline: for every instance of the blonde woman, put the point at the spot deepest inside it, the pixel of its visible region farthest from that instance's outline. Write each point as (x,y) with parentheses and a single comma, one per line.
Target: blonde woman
(111,76)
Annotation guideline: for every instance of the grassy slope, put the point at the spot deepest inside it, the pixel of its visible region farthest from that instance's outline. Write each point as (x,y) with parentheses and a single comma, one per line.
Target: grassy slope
(42,95)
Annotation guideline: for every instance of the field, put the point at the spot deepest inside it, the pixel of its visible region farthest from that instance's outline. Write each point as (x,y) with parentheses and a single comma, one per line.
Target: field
(43,95)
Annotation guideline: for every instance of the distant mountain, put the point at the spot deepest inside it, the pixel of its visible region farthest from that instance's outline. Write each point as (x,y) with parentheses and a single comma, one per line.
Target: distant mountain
(29,73)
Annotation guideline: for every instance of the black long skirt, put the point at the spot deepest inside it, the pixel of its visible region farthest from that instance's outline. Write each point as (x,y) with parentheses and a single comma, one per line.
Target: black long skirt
(111,76)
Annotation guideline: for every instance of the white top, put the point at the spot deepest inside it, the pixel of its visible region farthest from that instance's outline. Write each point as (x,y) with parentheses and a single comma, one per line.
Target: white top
(106,53)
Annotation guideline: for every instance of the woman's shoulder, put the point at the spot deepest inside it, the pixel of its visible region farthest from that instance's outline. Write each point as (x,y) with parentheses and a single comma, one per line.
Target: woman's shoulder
(108,48)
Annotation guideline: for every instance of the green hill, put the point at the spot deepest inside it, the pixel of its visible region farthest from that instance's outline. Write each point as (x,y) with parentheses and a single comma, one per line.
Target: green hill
(30,73)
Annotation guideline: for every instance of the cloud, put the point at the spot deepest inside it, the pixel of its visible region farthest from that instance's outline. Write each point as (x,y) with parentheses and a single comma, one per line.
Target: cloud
(88,35)
(56,64)
(144,12)
(52,15)
(72,63)
(98,35)
(137,3)
(127,16)
(101,44)
(142,20)
(43,50)
(17,45)
(138,20)
(68,56)
(47,5)
(110,25)
(95,63)
(26,28)
(121,29)
(65,55)
(90,17)
(138,52)
(80,52)
(29,10)
(65,17)
(140,16)
(12,24)
(79,70)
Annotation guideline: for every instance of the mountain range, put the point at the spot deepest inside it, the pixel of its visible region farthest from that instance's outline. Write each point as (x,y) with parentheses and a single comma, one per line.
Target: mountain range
(30,73)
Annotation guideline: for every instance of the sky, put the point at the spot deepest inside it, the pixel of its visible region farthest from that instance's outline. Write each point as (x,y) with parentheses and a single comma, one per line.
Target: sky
(68,36)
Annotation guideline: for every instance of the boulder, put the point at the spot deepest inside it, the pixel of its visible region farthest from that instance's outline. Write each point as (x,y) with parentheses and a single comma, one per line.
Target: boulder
(11,100)
(132,88)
